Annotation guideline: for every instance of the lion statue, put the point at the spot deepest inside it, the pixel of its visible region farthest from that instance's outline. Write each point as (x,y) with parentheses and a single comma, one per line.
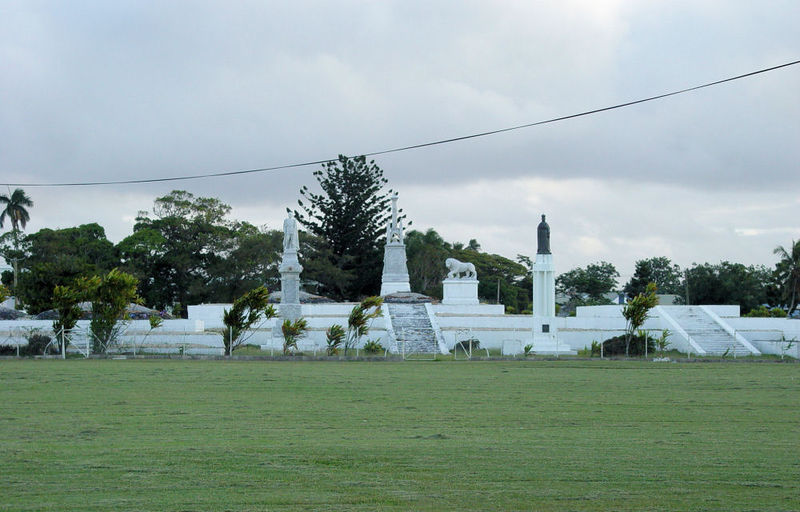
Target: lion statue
(456,267)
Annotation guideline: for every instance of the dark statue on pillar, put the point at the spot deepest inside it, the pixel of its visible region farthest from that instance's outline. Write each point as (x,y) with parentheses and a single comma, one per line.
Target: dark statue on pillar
(543,235)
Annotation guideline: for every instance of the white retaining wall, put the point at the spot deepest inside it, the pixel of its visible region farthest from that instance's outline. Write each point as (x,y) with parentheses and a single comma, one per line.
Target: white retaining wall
(202,332)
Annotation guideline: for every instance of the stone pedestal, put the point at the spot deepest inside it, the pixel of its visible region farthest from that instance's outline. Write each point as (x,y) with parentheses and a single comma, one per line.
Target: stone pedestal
(290,269)
(460,291)
(544,286)
(395,270)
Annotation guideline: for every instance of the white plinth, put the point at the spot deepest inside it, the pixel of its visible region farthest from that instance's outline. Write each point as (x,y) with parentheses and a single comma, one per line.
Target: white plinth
(388,287)
(395,271)
(460,291)
(550,344)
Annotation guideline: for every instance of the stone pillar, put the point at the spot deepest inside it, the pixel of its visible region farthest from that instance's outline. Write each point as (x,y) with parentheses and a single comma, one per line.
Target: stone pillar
(544,286)
(544,295)
(395,269)
(290,269)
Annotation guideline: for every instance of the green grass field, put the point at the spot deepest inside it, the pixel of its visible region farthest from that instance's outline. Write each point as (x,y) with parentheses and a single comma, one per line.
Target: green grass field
(508,435)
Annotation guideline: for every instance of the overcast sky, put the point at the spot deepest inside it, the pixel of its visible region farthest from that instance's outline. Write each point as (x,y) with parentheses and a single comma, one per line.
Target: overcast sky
(135,89)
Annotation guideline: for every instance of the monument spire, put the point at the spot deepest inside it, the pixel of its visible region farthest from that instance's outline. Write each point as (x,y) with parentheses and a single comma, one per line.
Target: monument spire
(395,270)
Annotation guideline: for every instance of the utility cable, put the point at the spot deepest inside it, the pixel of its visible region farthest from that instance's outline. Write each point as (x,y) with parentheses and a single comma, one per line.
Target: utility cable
(415,146)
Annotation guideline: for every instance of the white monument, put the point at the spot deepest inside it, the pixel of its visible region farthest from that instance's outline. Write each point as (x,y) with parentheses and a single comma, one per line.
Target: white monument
(395,269)
(290,269)
(461,284)
(544,294)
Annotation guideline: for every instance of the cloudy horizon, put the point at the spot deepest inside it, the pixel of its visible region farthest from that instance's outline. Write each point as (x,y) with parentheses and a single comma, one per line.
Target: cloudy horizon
(97,91)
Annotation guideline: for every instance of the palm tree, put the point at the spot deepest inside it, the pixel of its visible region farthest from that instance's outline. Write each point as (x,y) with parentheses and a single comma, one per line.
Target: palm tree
(16,210)
(788,271)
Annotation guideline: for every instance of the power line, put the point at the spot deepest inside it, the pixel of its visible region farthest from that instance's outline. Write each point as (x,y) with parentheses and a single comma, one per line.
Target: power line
(408,148)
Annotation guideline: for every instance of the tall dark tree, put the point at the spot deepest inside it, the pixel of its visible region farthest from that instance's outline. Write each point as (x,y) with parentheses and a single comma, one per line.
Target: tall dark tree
(787,272)
(173,251)
(60,256)
(16,210)
(426,254)
(728,283)
(659,270)
(189,252)
(347,221)
(588,286)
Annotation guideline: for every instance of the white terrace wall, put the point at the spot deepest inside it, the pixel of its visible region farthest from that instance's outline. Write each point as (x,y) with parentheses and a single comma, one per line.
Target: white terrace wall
(173,336)
(770,335)
(320,317)
(202,332)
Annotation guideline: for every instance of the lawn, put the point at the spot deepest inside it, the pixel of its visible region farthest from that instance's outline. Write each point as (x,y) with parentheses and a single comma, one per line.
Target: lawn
(506,435)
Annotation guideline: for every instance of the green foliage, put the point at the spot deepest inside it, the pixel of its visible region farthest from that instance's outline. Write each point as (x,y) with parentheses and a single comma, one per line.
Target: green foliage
(347,221)
(373,347)
(662,342)
(37,343)
(335,337)
(787,272)
(110,296)
(65,302)
(426,253)
(595,350)
(527,350)
(659,270)
(360,320)
(188,252)
(4,293)
(292,332)
(588,286)
(155,321)
(251,308)
(636,311)
(628,347)
(763,312)
(59,258)
(728,283)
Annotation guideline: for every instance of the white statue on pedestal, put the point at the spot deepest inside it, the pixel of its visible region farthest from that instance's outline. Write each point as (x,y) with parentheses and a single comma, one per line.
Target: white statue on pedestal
(456,268)
(291,241)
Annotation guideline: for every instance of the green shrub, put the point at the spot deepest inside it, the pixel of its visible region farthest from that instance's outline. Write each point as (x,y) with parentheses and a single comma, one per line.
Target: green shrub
(36,345)
(763,312)
(616,346)
(464,345)
(373,347)
(595,349)
(334,336)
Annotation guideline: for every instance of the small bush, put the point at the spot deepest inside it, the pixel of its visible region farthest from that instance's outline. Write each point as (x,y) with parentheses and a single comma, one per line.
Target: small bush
(36,345)
(8,350)
(373,347)
(616,346)
(595,349)
(464,345)
(763,312)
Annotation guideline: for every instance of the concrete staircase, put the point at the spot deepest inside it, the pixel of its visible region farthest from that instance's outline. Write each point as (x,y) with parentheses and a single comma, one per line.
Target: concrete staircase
(707,332)
(412,326)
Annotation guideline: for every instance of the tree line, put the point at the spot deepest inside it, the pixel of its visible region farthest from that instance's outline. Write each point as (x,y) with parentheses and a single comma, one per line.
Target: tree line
(186,250)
